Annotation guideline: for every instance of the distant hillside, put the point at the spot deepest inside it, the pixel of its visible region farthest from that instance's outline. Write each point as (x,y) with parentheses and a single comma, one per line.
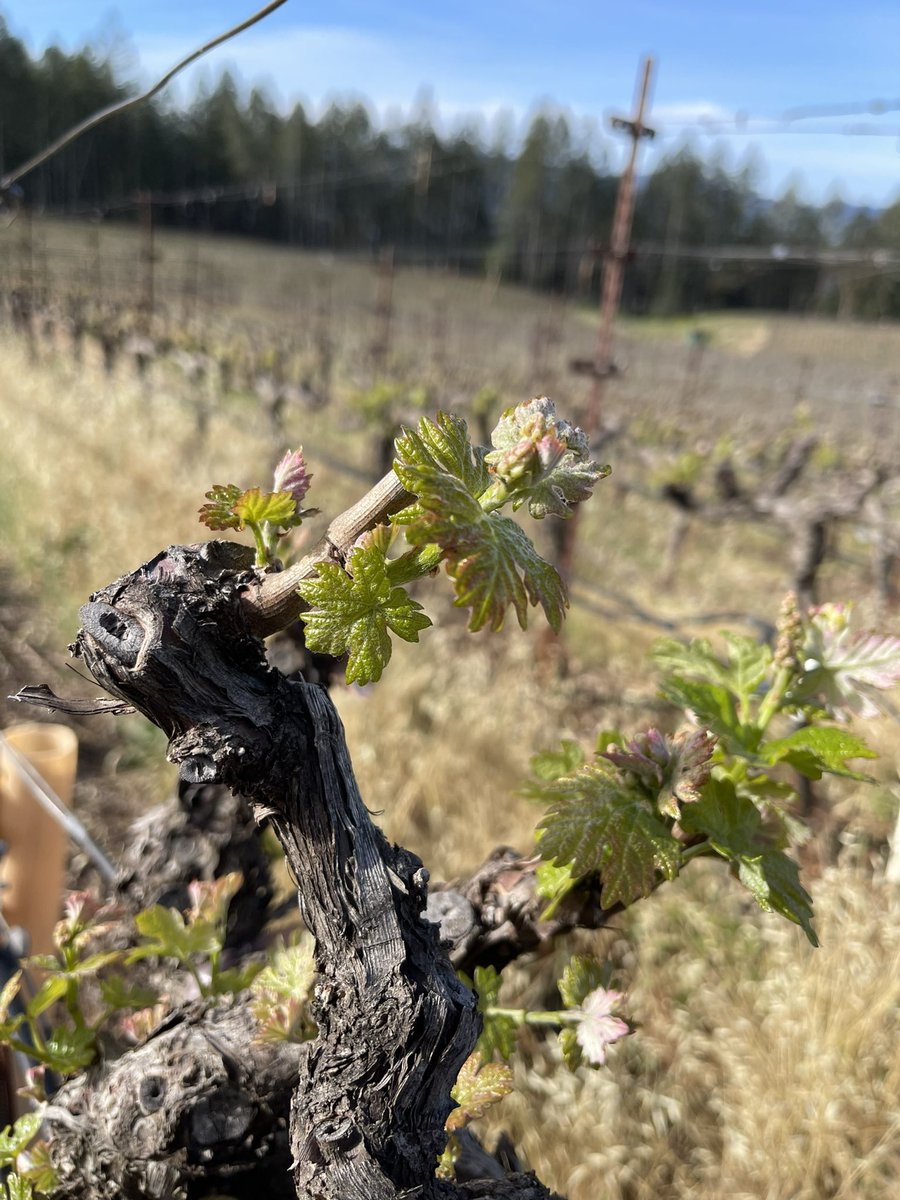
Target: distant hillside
(540,216)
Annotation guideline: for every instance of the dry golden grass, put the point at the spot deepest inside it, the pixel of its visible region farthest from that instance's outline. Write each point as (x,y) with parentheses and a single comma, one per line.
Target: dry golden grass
(101,472)
(96,473)
(458,333)
(442,743)
(760,1069)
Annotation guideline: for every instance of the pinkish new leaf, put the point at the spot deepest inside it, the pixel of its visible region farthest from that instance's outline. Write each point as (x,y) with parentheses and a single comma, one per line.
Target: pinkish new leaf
(597,1028)
(292,476)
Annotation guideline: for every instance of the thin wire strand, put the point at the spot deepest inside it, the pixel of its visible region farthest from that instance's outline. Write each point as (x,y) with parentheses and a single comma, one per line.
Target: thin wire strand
(63,816)
(123,105)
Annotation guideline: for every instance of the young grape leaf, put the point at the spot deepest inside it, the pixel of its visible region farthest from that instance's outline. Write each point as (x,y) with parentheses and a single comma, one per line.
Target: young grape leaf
(118,993)
(440,446)
(14,1139)
(694,660)
(601,827)
(233,979)
(53,988)
(292,476)
(19,1188)
(773,880)
(733,826)
(818,749)
(491,561)
(582,975)
(219,514)
(352,613)
(9,992)
(499,1032)
(138,1026)
(748,664)
(67,1049)
(730,822)
(671,769)
(291,971)
(568,483)
(846,670)
(166,935)
(211,898)
(598,1028)
(487,983)
(500,568)
(253,507)
(551,764)
(498,1037)
(714,706)
(36,1167)
(553,883)
(478,1086)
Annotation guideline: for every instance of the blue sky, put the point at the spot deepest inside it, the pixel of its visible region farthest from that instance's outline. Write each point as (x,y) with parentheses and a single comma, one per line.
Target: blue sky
(741,65)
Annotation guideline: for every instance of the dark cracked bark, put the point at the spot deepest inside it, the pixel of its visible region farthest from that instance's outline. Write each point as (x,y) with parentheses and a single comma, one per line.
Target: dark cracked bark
(496,915)
(395,1024)
(202,832)
(199,1105)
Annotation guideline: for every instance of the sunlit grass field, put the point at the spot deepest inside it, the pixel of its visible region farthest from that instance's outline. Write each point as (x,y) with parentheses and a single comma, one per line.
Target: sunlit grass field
(759,1068)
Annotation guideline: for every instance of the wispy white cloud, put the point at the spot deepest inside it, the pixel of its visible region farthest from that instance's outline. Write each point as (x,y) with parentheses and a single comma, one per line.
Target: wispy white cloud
(691,112)
(390,69)
(863,170)
(315,63)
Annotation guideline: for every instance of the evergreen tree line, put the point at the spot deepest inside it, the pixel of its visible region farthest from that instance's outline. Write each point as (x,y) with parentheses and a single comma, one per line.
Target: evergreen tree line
(540,216)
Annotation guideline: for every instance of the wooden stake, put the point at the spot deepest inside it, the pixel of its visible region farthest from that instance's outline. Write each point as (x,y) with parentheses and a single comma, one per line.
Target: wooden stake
(565,533)
(614,266)
(384,307)
(145,203)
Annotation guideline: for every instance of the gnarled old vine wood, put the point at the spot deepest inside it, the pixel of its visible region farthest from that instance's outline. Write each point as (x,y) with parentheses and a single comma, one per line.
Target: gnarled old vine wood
(199,1105)
(395,1023)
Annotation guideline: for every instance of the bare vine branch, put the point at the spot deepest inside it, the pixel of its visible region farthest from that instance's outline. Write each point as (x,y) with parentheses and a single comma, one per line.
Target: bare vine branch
(123,105)
(275,603)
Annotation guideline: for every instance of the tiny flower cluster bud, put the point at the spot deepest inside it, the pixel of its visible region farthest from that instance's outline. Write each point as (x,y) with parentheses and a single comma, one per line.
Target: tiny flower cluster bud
(790,634)
(675,767)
